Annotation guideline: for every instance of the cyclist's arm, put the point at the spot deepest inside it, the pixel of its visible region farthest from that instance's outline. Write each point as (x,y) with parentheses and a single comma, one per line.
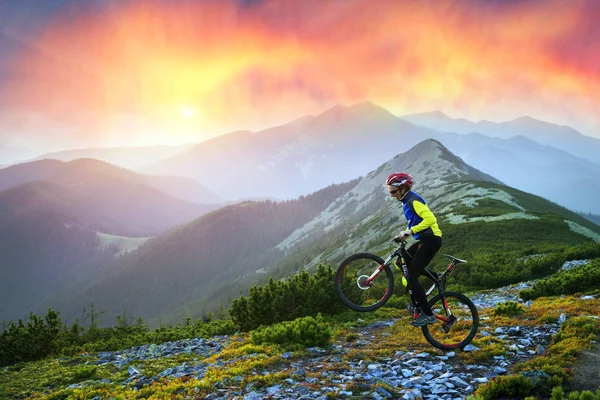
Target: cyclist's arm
(425,213)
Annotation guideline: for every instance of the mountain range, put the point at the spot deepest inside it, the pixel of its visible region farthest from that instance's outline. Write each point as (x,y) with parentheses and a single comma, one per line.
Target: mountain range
(558,136)
(123,201)
(85,231)
(345,142)
(299,157)
(312,152)
(206,263)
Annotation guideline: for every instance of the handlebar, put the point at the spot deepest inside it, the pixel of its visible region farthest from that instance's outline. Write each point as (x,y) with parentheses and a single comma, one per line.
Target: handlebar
(398,240)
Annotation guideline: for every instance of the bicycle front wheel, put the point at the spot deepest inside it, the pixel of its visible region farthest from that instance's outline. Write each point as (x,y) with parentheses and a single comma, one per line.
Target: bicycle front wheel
(363,283)
(458,321)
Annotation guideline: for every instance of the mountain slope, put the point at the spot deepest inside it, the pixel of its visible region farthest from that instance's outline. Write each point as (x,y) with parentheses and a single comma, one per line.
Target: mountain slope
(43,245)
(297,158)
(346,142)
(192,260)
(477,214)
(526,165)
(66,173)
(560,137)
(204,265)
(123,202)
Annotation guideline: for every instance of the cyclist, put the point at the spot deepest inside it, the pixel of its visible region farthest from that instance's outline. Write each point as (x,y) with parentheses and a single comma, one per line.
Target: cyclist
(422,225)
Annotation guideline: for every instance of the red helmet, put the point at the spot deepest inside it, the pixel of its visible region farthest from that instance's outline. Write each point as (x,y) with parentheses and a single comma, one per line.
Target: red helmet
(400,180)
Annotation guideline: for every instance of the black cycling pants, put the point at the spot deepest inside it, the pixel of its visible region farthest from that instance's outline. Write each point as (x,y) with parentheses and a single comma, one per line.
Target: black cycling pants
(422,253)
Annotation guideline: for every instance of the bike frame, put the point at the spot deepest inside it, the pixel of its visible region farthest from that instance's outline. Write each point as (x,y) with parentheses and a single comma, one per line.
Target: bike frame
(438,280)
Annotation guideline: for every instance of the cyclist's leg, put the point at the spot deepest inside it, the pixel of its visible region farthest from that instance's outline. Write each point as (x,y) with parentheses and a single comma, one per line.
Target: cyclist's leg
(412,250)
(427,249)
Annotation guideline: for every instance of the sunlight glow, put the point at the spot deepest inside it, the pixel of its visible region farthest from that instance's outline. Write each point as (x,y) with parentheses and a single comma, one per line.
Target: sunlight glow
(188,112)
(204,68)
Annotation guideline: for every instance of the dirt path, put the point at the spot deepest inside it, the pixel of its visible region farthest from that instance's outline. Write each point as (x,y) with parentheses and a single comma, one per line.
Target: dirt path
(586,374)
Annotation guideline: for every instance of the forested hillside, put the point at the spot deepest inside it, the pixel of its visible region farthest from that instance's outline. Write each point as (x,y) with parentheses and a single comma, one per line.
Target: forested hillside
(204,265)
(191,261)
(42,247)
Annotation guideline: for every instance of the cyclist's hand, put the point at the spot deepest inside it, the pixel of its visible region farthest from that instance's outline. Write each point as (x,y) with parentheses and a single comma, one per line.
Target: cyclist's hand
(405,234)
(400,237)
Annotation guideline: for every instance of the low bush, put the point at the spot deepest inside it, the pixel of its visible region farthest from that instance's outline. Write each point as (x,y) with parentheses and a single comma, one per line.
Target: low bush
(575,280)
(513,386)
(509,308)
(305,332)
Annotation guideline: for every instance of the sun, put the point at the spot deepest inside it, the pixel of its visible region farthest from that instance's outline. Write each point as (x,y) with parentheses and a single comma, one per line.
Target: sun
(188,112)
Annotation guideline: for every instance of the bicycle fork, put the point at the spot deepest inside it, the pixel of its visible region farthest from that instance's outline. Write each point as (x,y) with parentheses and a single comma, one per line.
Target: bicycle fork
(448,320)
(378,270)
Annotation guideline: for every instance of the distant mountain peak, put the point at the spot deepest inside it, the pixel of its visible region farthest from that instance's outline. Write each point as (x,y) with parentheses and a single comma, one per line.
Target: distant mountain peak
(93,163)
(365,108)
(430,161)
(438,114)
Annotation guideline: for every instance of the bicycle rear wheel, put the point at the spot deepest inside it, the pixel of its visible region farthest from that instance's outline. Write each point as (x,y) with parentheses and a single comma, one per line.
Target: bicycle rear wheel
(354,287)
(458,321)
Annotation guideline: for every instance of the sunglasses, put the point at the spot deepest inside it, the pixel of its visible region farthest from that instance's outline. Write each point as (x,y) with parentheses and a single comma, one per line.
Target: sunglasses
(392,192)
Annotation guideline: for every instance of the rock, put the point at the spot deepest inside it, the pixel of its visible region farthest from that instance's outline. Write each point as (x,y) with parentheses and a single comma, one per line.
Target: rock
(470,347)
(562,318)
(273,390)
(383,392)
(514,331)
(500,370)
(525,342)
(417,394)
(250,396)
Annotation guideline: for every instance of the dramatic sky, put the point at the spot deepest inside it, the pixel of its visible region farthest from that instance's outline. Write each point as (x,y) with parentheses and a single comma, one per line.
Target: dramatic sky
(106,72)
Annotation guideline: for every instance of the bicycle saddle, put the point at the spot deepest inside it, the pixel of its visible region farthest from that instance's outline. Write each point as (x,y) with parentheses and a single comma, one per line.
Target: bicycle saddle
(454,259)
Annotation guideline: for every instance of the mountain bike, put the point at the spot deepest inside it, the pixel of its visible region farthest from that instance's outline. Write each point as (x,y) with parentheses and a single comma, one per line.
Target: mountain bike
(365,282)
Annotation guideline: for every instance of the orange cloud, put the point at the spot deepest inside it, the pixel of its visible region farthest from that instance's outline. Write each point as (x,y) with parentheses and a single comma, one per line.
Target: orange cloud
(276,60)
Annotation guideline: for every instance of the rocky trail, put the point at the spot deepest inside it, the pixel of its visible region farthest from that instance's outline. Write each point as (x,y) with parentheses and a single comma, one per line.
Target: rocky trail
(419,373)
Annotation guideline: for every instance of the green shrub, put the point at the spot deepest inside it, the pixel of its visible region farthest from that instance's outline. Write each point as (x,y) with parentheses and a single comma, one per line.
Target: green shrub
(587,395)
(574,396)
(512,386)
(557,393)
(584,328)
(584,251)
(509,308)
(84,372)
(304,332)
(300,296)
(575,280)
(351,337)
